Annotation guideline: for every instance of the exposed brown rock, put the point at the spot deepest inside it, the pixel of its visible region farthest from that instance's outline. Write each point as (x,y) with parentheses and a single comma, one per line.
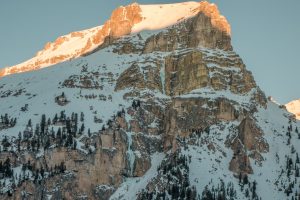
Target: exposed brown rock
(196,31)
(185,73)
(139,78)
(120,23)
(77,34)
(249,139)
(59,41)
(187,115)
(123,19)
(205,34)
(3,72)
(131,78)
(217,20)
(126,48)
(240,164)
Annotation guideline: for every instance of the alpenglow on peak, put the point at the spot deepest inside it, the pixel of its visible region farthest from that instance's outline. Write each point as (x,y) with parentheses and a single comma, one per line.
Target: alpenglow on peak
(124,20)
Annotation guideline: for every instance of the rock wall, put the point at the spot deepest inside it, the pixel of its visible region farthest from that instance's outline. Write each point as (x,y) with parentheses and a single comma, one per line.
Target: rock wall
(247,142)
(185,73)
(188,115)
(197,69)
(196,31)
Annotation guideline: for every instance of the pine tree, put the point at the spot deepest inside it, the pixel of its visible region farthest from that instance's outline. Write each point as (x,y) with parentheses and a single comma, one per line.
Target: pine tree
(62,116)
(245,179)
(49,122)
(75,123)
(81,117)
(74,144)
(20,136)
(69,141)
(82,127)
(43,123)
(68,125)
(55,119)
(89,132)
(58,134)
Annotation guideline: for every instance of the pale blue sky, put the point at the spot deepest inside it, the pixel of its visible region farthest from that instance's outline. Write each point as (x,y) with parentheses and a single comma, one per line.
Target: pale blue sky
(266,33)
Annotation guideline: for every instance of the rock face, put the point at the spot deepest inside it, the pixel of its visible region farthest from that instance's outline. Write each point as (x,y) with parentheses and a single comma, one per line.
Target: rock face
(196,31)
(208,34)
(123,19)
(185,73)
(189,115)
(188,71)
(248,141)
(207,28)
(120,23)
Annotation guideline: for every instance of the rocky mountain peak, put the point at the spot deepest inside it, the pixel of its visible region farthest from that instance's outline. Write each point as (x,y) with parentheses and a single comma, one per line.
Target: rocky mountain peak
(123,21)
(217,20)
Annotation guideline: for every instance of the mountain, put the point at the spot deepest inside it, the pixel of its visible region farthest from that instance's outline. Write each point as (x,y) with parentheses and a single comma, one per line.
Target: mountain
(123,21)
(155,108)
(294,107)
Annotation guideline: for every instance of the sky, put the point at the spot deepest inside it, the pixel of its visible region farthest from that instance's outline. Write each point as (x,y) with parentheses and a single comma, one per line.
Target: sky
(265,33)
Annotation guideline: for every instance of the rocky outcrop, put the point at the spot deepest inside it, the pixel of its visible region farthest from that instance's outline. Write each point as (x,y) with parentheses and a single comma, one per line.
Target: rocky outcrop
(120,23)
(123,18)
(140,76)
(198,69)
(188,115)
(88,80)
(131,78)
(251,136)
(126,48)
(196,31)
(204,33)
(247,142)
(240,164)
(217,20)
(185,73)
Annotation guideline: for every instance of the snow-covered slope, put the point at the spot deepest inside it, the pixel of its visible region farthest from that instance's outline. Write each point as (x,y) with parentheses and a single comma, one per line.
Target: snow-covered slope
(294,107)
(63,48)
(171,13)
(174,13)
